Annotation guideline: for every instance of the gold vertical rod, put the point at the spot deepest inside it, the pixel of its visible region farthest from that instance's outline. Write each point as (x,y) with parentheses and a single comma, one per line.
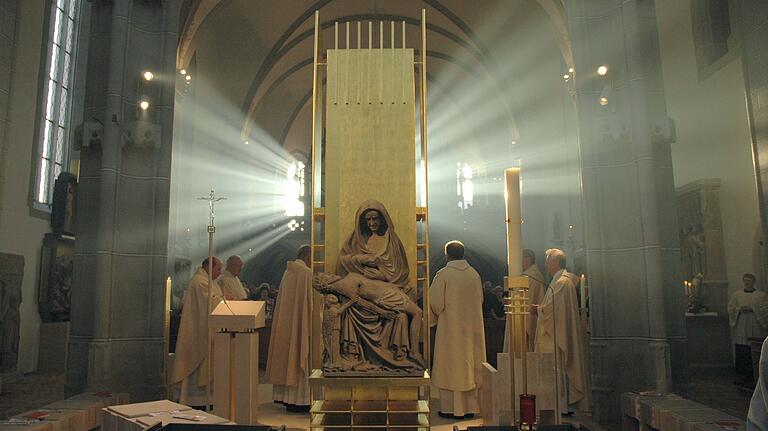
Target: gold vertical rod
(524,341)
(423,125)
(558,420)
(512,351)
(316,60)
(392,34)
(370,34)
(346,45)
(336,35)
(381,62)
(359,67)
(403,34)
(167,333)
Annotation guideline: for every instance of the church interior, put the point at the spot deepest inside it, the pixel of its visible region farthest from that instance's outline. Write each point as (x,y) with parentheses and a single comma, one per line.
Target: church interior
(139,139)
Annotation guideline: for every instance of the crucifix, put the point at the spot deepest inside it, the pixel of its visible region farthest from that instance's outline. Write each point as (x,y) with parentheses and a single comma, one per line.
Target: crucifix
(212,199)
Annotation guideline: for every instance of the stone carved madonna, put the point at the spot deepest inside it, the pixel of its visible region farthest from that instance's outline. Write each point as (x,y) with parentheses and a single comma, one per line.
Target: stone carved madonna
(371,324)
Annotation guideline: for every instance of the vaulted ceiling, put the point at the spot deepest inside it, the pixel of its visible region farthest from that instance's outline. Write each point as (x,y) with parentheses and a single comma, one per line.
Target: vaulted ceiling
(270,44)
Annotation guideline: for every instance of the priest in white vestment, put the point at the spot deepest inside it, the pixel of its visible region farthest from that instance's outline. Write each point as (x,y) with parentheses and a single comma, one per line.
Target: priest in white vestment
(229,281)
(190,367)
(536,289)
(747,316)
(288,361)
(757,416)
(558,319)
(456,306)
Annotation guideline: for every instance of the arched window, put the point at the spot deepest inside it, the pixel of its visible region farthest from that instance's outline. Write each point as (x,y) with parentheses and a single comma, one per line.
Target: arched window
(464,186)
(57,98)
(293,198)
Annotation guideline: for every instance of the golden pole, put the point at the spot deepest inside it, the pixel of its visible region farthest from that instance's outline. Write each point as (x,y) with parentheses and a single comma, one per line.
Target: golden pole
(423,107)
(315,62)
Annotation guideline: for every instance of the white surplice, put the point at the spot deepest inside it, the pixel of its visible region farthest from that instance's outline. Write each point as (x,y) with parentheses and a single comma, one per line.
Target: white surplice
(746,324)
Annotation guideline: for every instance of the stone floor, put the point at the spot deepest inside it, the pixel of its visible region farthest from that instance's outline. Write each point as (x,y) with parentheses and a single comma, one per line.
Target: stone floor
(21,394)
(715,389)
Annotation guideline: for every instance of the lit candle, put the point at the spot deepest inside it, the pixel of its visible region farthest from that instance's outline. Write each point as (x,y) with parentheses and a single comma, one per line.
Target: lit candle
(168,287)
(583,286)
(514,219)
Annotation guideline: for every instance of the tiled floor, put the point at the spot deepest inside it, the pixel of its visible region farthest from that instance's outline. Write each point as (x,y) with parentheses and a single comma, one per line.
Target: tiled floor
(715,389)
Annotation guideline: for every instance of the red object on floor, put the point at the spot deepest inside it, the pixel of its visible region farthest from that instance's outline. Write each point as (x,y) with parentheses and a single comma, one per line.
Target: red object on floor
(527,409)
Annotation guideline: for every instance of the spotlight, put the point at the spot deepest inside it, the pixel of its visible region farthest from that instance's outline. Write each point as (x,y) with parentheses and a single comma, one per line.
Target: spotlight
(566,77)
(605,94)
(246,142)
(183,72)
(144,104)
(148,76)
(602,70)
(570,70)
(188,78)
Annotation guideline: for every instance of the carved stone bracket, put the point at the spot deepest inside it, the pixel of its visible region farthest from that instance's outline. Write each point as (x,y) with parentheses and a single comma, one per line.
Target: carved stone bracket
(141,134)
(88,134)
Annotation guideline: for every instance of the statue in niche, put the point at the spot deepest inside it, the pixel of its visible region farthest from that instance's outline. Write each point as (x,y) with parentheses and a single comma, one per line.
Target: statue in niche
(373,249)
(379,324)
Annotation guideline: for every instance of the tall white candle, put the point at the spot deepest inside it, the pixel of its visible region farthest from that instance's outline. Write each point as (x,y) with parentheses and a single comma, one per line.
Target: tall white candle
(168,288)
(583,286)
(514,220)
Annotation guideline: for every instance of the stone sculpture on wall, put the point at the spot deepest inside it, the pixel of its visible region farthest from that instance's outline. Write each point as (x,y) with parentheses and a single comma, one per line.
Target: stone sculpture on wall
(11,274)
(372,324)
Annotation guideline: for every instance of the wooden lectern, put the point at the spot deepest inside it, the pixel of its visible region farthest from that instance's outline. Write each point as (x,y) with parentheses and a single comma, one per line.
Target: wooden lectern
(236,359)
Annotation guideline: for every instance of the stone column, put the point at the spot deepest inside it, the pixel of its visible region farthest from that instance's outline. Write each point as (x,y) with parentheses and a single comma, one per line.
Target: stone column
(8,10)
(751,18)
(118,293)
(638,328)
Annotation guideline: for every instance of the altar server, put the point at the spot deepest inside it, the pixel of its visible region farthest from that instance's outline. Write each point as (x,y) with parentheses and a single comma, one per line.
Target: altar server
(456,304)
(558,320)
(747,316)
(190,366)
(288,360)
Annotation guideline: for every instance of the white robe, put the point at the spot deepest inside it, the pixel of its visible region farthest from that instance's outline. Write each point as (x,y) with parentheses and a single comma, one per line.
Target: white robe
(288,360)
(747,324)
(190,369)
(560,298)
(456,304)
(757,416)
(231,286)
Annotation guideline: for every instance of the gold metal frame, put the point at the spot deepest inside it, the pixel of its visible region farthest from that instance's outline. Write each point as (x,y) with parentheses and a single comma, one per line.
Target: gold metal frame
(365,399)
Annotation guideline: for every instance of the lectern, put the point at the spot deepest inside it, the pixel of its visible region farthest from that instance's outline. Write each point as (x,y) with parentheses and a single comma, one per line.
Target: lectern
(236,359)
